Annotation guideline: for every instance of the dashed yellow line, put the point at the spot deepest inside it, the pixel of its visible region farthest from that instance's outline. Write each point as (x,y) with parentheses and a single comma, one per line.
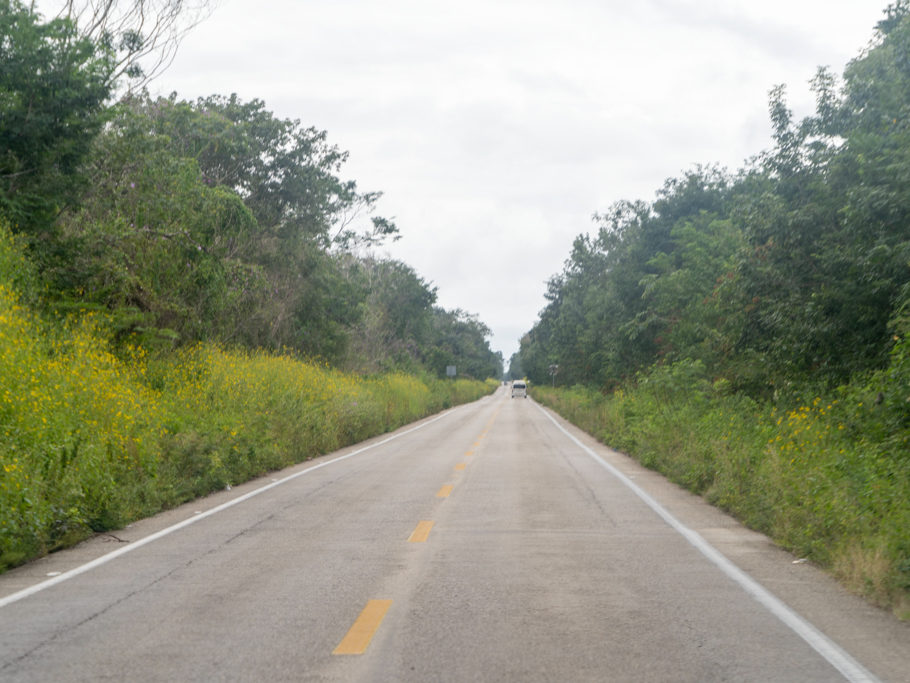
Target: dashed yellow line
(421,533)
(460,466)
(358,638)
(445,491)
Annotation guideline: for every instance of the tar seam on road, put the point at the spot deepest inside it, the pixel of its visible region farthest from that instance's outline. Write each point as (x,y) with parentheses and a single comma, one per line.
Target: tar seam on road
(851,669)
(104,559)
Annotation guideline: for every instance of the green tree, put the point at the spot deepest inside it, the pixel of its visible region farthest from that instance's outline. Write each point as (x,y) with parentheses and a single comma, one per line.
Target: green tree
(793,272)
(204,225)
(515,368)
(611,312)
(287,174)
(460,339)
(397,320)
(53,90)
(156,245)
(681,296)
(827,224)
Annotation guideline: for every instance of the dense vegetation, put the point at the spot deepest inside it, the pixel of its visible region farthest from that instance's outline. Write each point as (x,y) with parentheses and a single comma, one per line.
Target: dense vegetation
(94,434)
(211,220)
(188,291)
(748,332)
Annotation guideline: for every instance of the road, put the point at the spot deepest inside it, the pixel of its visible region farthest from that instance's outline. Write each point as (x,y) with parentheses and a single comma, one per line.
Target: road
(493,542)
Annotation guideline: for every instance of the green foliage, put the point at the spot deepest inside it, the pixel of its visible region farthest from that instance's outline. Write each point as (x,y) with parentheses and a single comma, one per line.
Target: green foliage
(791,273)
(395,329)
(157,236)
(53,87)
(217,221)
(287,174)
(18,273)
(516,371)
(459,338)
(829,247)
(625,296)
(153,239)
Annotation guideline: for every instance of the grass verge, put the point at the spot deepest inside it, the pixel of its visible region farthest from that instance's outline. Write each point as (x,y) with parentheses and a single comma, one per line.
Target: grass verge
(827,477)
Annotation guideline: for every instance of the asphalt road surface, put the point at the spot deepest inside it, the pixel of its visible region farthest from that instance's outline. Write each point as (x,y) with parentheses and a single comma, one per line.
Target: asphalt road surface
(493,542)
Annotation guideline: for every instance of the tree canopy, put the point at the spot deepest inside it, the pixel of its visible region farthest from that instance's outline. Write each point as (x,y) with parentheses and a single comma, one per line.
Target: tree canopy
(793,270)
(53,89)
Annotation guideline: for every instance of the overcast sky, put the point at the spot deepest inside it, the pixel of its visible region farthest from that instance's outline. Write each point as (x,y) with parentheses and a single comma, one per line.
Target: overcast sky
(495,129)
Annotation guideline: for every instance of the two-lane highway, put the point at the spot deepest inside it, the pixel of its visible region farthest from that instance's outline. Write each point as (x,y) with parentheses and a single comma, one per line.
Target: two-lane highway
(490,543)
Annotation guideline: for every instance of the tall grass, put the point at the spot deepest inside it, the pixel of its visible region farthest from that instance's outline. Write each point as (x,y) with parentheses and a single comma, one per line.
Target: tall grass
(92,437)
(826,477)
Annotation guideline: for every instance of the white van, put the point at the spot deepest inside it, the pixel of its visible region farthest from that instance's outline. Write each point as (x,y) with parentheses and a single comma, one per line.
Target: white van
(519,389)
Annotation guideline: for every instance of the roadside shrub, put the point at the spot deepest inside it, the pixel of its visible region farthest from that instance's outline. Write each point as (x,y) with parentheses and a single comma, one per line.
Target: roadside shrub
(828,478)
(77,429)
(91,439)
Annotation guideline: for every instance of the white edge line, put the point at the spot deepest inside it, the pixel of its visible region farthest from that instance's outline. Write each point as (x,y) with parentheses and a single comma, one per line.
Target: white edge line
(104,559)
(851,669)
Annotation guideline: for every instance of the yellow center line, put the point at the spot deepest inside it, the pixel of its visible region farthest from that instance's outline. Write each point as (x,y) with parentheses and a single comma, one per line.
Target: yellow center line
(358,638)
(445,491)
(421,533)
(460,466)
(469,452)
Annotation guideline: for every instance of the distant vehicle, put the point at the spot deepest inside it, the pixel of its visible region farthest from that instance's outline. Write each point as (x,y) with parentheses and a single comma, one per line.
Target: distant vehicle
(519,389)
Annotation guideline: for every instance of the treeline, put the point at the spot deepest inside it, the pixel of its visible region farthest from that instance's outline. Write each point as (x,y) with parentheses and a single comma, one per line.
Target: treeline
(748,334)
(209,220)
(793,272)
